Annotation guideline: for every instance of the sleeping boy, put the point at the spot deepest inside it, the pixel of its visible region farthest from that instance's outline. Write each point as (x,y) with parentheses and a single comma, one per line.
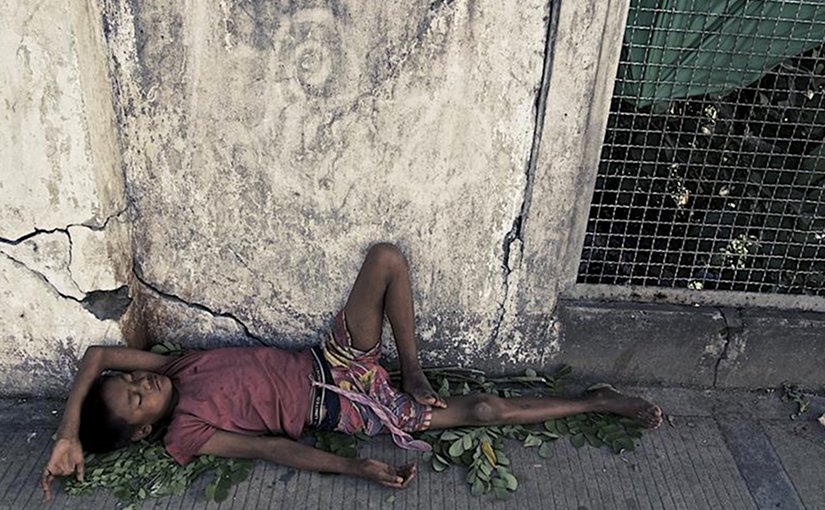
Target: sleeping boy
(254,402)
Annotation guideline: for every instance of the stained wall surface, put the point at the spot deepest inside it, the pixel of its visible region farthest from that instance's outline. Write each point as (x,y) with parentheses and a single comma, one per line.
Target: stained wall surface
(214,172)
(64,241)
(268,144)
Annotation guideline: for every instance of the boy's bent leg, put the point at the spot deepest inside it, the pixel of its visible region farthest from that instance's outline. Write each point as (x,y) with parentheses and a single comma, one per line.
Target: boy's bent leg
(383,286)
(482,409)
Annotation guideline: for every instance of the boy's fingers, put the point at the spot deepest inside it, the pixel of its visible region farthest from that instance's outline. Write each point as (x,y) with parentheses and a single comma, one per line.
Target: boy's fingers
(45,484)
(408,472)
(435,400)
(81,472)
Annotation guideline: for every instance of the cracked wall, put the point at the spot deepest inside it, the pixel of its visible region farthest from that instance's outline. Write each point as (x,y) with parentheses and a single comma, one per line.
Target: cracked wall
(213,173)
(64,236)
(268,144)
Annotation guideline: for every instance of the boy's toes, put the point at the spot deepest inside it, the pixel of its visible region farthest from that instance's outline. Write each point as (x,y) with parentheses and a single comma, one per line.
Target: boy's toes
(651,418)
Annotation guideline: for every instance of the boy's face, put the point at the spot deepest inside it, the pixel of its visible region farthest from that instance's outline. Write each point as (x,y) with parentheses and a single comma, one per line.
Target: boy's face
(140,398)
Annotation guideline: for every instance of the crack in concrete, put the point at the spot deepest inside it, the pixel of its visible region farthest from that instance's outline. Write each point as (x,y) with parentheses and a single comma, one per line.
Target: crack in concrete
(732,325)
(197,306)
(42,277)
(100,303)
(515,234)
(65,230)
(69,263)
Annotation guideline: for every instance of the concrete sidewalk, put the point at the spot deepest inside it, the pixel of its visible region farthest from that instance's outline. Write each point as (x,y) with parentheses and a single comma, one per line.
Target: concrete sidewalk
(718,449)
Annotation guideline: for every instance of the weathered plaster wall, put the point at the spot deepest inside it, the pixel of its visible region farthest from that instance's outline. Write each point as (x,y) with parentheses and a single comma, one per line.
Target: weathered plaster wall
(267,144)
(64,241)
(213,172)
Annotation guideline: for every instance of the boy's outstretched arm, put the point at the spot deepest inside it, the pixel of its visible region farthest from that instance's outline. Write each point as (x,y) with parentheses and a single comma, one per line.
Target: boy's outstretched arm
(67,454)
(287,452)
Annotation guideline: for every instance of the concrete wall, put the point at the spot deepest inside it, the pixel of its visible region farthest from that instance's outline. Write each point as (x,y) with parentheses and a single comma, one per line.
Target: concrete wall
(263,146)
(213,173)
(64,242)
(268,144)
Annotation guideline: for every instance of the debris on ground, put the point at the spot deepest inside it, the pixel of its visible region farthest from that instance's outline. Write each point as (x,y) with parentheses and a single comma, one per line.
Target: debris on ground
(793,393)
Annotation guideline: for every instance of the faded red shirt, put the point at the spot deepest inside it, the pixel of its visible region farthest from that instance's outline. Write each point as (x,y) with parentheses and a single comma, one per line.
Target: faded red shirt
(248,390)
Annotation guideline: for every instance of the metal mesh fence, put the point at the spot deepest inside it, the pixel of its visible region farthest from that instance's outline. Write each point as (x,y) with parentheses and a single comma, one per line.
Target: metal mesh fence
(712,173)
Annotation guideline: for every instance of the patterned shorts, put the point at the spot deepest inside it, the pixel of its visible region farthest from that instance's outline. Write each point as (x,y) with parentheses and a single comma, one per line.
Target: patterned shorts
(359,375)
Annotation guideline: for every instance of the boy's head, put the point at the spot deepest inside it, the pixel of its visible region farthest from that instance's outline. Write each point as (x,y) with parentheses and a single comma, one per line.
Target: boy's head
(123,407)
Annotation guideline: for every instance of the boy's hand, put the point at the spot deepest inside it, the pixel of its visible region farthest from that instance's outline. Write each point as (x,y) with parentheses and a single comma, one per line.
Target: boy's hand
(66,458)
(389,476)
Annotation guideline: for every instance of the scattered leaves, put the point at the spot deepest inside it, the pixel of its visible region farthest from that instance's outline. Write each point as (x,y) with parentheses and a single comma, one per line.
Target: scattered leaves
(145,471)
(480,449)
(793,393)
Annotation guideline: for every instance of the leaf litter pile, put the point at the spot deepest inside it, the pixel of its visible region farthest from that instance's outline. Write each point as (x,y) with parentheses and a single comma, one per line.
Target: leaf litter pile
(145,470)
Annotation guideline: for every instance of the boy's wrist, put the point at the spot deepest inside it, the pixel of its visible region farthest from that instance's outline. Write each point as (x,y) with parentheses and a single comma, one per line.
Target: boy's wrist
(354,467)
(67,434)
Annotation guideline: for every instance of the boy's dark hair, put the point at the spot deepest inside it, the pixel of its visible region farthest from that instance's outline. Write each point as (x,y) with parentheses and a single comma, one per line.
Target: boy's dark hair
(100,430)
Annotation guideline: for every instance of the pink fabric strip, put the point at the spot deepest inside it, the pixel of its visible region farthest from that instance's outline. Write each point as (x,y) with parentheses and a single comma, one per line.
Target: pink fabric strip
(399,436)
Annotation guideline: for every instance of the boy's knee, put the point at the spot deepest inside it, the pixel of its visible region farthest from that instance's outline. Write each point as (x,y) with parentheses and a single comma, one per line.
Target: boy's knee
(387,255)
(486,409)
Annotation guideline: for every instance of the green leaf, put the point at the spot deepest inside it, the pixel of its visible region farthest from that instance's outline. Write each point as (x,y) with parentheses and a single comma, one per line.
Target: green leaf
(551,426)
(577,440)
(532,440)
(613,436)
(530,372)
(444,389)
(210,492)
(477,487)
(561,427)
(222,489)
(467,441)
(439,466)
(592,440)
(449,435)
(442,459)
(501,493)
(634,432)
(626,443)
(239,475)
(511,482)
(456,449)
(546,450)
(390,499)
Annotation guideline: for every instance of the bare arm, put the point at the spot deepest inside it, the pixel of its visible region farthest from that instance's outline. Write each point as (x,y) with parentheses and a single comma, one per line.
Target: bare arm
(97,359)
(67,454)
(287,452)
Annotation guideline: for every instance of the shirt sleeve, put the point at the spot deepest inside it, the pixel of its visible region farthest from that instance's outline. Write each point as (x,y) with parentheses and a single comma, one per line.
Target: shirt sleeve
(185,437)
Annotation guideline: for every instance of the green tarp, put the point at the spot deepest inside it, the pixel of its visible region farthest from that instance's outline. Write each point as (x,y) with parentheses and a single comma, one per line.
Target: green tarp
(681,48)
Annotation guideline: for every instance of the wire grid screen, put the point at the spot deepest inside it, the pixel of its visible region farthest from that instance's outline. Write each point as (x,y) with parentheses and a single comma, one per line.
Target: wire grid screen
(713,166)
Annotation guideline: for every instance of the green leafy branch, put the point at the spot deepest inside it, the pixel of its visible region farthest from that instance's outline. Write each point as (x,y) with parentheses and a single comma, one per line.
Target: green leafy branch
(145,471)
(480,449)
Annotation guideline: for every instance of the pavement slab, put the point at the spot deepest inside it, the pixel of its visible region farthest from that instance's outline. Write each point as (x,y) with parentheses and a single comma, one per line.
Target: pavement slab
(719,449)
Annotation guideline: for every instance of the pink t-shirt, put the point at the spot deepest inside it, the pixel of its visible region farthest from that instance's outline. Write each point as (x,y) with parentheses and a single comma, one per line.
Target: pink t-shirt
(248,390)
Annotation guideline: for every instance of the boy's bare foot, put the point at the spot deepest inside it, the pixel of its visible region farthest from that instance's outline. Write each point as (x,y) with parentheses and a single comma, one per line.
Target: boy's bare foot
(416,384)
(649,415)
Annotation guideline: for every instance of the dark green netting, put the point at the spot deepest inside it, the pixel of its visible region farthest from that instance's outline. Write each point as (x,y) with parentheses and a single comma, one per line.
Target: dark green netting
(682,48)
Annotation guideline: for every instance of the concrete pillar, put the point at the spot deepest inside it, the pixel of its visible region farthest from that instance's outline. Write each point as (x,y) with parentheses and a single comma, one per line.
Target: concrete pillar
(584,44)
